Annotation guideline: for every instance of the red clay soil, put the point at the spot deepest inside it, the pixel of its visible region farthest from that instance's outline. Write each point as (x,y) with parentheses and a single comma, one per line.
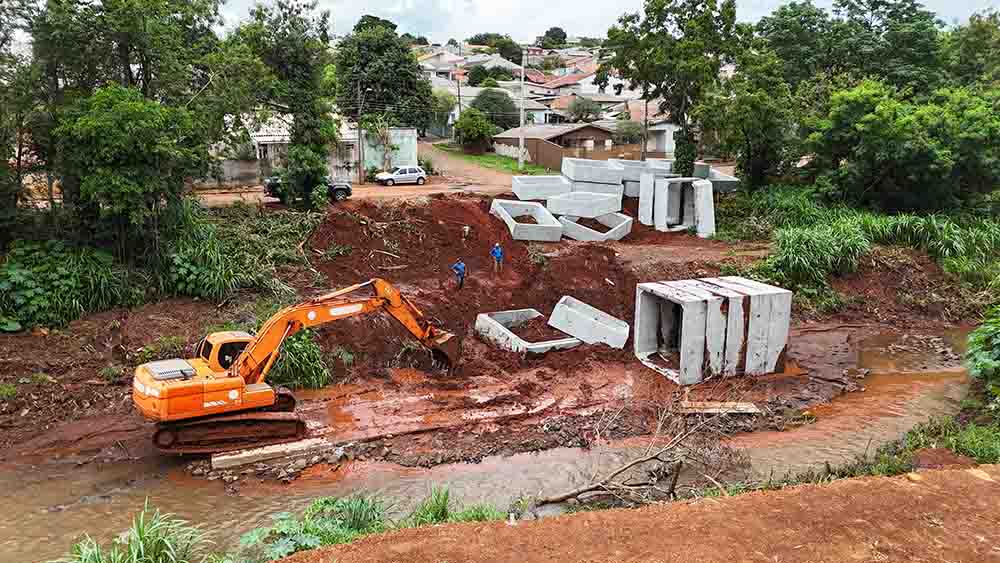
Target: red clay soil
(526,219)
(538,330)
(593,224)
(927,516)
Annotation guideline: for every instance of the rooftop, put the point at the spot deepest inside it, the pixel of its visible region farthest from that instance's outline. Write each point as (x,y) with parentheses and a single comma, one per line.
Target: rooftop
(546,132)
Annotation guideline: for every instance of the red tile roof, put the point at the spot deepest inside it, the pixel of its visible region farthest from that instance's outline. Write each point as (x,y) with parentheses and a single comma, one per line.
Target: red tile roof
(536,76)
(567,80)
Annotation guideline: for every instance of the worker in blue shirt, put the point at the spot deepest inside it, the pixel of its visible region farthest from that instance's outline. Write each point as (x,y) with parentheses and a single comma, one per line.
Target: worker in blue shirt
(459,269)
(497,254)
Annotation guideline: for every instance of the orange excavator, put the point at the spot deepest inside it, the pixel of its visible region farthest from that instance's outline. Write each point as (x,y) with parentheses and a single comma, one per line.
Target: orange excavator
(219,401)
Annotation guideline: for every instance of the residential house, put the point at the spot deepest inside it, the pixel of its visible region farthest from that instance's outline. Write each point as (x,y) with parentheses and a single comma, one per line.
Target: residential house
(534,112)
(660,137)
(490,60)
(440,64)
(272,139)
(546,145)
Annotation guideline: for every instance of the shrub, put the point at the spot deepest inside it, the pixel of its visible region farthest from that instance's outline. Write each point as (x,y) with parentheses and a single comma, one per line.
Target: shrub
(983,354)
(154,537)
(473,130)
(478,513)
(808,255)
(301,363)
(51,283)
(7,391)
(432,510)
(428,165)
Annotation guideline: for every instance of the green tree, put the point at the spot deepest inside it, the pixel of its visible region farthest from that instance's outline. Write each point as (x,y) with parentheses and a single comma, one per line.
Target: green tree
(132,156)
(377,73)
(628,132)
(972,51)
(452,42)
(444,105)
(371,22)
(293,41)
(674,51)
(807,39)
(876,147)
(498,107)
(477,75)
(554,38)
(508,49)
(584,110)
(489,83)
(474,131)
(488,39)
(752,114)
(895,40)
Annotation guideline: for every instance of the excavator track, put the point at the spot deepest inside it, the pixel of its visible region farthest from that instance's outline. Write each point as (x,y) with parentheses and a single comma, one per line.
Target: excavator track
(223,433)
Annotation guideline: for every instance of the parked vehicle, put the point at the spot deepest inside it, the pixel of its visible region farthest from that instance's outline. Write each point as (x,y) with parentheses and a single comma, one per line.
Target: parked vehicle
(338,191)
(402,175)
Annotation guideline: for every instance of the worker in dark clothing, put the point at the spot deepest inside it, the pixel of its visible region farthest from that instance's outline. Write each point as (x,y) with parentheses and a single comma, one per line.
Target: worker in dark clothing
(459,269)
(497,254)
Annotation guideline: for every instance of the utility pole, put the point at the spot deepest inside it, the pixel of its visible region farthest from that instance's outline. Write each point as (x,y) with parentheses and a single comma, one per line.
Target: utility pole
(458,79)
(520,144)
(361,135)
(645,126)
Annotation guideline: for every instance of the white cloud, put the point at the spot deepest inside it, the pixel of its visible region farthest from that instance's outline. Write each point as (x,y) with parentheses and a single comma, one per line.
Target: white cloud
(523,20)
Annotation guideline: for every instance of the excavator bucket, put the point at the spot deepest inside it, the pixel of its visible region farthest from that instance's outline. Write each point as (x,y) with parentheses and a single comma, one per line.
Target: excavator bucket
(446,348)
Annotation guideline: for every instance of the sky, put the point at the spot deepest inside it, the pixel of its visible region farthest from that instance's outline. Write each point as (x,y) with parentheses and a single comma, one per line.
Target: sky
(524,20)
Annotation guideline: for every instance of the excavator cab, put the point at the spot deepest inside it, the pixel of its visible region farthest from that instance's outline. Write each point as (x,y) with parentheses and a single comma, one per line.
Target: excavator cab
(220,349)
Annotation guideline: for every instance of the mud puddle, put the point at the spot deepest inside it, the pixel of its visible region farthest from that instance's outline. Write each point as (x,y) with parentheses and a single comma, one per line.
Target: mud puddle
(47,507)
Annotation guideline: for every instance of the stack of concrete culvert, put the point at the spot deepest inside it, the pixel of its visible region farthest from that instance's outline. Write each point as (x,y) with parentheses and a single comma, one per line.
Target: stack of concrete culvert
(593,189)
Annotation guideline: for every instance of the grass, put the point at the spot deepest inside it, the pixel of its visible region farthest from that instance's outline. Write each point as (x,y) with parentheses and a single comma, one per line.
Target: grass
(495,161)
(333,521)
(335,251)
(7,391)
(154,537)
(813,241)
(164,347)
(111,374)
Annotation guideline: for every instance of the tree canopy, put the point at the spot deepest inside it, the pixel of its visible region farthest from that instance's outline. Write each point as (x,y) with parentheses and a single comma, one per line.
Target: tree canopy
(584,110)
(377,72)
(554,38)
(498,107)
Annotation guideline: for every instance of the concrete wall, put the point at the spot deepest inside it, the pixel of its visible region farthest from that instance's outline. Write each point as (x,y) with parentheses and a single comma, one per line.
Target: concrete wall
(692,329)
(619,226)
(405,154)
(593,171)
(231,174)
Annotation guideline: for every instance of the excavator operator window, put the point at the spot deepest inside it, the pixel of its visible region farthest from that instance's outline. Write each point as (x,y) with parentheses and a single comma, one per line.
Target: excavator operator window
(228,353)
(206,350)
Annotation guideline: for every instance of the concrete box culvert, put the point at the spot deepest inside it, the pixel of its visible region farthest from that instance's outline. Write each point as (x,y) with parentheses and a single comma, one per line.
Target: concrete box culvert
(594,171)
(588,323)
(584,204)
(545,229)
(618,224)
(631,188)
(590,187)
(496,326)
(540,187)
(693,329)
(633,169)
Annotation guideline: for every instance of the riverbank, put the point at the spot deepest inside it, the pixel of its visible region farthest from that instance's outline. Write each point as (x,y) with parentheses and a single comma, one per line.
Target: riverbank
(943,515)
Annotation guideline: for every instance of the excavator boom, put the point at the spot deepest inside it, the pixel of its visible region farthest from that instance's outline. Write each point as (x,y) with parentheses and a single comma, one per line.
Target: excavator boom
(219,400)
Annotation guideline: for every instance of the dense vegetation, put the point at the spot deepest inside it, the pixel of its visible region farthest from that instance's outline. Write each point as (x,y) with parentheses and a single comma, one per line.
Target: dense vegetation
(163,538)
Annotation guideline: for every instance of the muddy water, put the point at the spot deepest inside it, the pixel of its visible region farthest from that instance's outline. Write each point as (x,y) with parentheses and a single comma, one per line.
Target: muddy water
(46,508)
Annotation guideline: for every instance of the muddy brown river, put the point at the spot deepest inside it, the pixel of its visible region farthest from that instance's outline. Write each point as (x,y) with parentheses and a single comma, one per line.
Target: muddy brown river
(46,507)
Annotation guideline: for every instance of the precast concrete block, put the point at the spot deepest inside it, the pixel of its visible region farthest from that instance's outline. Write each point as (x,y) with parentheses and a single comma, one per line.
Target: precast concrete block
(633,169)
(619,226)
(665,163)
(704,208)
(584,204)
(540,187)
(594,171)
(546,228)
(692,329)
(723,183)
(590,187)
(495,327)
(702,169)
(647,185)
(631,188)
(589,324)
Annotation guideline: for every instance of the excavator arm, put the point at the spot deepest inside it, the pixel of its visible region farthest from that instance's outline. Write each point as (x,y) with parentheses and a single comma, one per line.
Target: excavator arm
(261,353)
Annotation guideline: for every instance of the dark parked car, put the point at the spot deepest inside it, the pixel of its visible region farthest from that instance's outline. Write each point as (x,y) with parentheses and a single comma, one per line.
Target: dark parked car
(338,191)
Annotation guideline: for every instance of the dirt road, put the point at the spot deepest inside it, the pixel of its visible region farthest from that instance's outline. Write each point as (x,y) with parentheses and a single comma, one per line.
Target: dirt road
(456,176)
(929,516)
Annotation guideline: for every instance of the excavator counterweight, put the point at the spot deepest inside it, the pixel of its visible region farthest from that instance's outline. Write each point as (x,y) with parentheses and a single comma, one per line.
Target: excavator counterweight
(219,400)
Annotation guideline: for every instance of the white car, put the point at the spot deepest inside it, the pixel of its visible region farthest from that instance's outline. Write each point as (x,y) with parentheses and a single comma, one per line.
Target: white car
(402,175)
